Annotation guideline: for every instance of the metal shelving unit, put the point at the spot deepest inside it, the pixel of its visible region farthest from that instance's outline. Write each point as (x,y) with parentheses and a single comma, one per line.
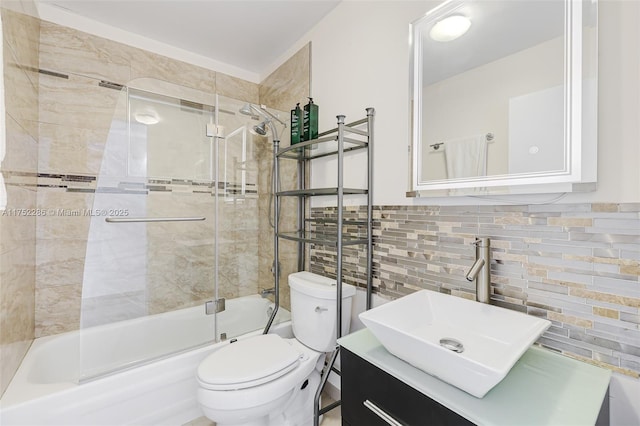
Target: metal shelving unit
(335,142)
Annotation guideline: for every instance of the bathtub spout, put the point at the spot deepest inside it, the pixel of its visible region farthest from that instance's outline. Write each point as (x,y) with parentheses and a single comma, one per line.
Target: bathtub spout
(267,291)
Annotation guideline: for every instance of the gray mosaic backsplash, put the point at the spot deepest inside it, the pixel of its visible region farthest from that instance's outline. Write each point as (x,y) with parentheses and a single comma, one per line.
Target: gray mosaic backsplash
(577,265)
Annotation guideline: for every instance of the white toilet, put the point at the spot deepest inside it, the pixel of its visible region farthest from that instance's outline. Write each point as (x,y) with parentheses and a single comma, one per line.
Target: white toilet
(267,380)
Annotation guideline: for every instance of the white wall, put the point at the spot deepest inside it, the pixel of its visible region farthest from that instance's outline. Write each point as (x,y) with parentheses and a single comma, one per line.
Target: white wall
(360,58)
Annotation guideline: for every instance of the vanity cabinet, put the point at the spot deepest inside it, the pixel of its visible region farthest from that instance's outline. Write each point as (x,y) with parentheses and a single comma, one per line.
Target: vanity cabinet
(369,393)
(543,389)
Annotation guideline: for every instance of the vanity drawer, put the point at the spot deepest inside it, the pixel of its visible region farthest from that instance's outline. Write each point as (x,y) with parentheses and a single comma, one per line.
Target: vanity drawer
(369,394)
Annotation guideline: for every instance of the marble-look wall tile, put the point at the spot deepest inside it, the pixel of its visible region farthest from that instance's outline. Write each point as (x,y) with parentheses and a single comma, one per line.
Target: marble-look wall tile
(74,150)
(60,262)
(75,117)
(21,153)
(68,51)
(151,65)
(21,94)
(237,88)
(19,168)
(263,156)
(180,255)
(60,258)
(68,215)
(57,309)
(77,102)
(172,90)
(286,86)
(290,83)
(60,267)
(21,35)
(17,279)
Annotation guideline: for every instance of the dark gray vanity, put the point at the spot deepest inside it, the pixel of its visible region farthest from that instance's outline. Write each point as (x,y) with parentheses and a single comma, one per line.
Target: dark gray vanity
(543,388)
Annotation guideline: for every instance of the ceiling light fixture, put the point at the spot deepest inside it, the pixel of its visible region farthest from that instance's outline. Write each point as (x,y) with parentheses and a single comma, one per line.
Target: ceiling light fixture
(450,28)
(146,118)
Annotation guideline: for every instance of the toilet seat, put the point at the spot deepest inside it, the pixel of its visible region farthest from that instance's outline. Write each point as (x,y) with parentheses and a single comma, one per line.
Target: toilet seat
(236,366)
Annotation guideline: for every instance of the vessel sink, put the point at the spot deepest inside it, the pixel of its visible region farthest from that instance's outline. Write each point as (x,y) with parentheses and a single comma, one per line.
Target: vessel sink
(467,344)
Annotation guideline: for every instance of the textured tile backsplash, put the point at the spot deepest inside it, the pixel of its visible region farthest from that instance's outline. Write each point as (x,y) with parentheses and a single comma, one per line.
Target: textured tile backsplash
(577,265)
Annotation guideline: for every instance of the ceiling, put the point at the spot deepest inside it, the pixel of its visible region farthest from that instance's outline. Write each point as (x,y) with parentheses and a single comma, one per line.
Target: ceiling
(246,34)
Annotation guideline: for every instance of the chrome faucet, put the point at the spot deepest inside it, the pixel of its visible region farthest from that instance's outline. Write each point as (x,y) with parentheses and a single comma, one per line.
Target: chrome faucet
(480,271)
(267,291)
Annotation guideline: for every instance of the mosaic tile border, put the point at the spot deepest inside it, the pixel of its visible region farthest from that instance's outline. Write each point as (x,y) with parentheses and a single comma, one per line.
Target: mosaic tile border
(577,265)
(87,183)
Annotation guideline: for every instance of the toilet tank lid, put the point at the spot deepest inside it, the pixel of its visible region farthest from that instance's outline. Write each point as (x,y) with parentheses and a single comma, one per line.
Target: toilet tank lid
(318,286)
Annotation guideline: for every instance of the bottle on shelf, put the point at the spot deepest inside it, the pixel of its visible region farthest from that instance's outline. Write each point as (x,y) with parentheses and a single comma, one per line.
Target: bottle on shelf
(310,121)
(296,125)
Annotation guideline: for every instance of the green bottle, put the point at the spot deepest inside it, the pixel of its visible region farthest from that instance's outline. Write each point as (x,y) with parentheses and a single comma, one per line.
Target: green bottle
(296,125)
(310,121)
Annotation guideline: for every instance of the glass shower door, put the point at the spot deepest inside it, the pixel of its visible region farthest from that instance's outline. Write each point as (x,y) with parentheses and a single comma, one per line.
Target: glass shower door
(239,152)
(179,187)
(150,260)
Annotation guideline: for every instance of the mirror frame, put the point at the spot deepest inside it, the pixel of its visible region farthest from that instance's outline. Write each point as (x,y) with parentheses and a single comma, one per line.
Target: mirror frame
(581,156)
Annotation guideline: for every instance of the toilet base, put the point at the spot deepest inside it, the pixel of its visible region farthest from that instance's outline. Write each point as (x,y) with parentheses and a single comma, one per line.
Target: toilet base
(300,410)
(297,410)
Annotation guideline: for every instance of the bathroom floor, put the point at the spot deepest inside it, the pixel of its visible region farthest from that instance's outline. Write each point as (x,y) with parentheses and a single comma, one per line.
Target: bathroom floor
(332,418)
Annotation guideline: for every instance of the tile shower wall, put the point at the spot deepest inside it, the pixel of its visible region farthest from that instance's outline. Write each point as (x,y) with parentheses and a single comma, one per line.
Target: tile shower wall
(285,87)
(76,115)
(19,166)
(577,265)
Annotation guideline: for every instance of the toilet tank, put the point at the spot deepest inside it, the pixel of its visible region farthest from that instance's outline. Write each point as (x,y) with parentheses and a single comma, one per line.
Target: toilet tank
(313,309)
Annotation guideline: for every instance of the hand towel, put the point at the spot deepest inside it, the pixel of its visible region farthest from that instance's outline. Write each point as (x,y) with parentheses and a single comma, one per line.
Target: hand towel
(466,157)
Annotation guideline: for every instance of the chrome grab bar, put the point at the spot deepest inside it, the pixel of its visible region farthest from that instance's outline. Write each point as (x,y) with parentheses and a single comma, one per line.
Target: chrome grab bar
(111,219)
(381,413)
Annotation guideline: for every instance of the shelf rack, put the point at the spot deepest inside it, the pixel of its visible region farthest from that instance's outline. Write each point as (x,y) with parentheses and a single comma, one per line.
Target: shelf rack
(342,139)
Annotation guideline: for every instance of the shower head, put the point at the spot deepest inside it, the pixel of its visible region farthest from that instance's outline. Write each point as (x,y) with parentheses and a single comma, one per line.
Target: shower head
(260,111)
(246,109)
(261,128)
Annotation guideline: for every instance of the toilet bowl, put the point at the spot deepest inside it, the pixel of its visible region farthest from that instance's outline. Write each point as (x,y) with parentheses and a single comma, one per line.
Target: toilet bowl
(267,380)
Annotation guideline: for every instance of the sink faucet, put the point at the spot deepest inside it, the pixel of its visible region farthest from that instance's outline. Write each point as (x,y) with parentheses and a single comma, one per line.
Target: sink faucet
(480,271)
(267,291)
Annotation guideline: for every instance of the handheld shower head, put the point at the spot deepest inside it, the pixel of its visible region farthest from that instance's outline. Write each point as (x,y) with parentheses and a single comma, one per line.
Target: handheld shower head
(261,111)
(246,109)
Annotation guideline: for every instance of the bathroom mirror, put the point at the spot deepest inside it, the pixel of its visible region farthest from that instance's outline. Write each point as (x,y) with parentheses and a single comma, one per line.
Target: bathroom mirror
(503,97)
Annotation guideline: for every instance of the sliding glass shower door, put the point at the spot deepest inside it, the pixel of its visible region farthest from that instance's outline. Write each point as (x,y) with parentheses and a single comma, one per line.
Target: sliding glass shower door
(173,226)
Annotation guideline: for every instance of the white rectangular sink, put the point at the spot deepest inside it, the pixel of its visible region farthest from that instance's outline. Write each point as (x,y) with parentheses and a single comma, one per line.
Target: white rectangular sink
(467,344)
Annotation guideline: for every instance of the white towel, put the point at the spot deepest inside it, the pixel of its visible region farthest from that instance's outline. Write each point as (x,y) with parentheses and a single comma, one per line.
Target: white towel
(466,157)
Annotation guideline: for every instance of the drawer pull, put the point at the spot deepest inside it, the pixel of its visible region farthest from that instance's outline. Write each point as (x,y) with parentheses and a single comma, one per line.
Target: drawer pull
(381,413)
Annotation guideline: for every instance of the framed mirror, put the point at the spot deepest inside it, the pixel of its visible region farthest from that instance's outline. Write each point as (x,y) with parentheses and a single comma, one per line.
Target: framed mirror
(504,97)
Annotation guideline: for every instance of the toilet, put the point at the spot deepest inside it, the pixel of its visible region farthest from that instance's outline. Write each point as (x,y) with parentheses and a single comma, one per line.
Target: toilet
(267,380)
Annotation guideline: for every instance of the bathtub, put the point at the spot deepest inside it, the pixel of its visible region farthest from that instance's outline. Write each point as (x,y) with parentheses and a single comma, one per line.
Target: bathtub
(45,389)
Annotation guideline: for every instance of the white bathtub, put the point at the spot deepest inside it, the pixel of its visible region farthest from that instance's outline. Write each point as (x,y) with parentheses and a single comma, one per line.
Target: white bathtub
(44,391)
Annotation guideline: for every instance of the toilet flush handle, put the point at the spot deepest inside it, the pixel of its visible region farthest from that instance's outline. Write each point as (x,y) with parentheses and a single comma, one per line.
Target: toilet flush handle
(320,309)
